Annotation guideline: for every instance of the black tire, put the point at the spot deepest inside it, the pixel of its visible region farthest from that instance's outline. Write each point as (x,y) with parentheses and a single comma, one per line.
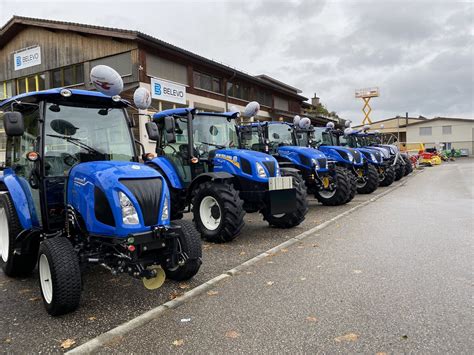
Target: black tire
(372,182)
(65,275)
(353,185)
(14,265)
(190,244)
(292,219)
(175,203)
(230,209)
(408,166)
(389,176)
(342,192)
(399,171)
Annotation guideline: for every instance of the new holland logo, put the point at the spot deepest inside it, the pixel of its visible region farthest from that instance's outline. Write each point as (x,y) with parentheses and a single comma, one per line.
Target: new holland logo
(230,159)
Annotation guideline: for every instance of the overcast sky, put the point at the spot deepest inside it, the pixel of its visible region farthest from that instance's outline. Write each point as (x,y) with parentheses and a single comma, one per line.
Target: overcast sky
(419,53)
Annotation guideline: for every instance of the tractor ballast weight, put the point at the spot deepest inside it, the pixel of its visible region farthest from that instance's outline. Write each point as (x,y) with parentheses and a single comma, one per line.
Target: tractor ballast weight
(74,195)
(197,153)
(288,143)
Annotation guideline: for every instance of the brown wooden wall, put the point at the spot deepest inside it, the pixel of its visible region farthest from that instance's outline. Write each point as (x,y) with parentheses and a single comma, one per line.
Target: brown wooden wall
(58,49)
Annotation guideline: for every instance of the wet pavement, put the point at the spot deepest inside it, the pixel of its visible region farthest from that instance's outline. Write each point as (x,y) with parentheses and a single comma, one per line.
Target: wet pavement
(248,311)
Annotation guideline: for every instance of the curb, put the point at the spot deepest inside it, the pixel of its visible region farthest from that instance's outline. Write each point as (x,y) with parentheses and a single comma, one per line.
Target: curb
(154,313)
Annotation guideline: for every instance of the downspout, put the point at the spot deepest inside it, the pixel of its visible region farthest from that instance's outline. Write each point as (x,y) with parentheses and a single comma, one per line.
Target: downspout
(226,94)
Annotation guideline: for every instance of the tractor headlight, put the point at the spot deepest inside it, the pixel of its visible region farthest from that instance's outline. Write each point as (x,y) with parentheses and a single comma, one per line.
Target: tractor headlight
(260,170)
(129,213)
(315,163)
(165,214)
(373,157)
(351,157)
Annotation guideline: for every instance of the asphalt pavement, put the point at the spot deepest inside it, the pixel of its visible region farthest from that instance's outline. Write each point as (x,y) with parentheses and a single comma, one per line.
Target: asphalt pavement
(380,280)
(394,276)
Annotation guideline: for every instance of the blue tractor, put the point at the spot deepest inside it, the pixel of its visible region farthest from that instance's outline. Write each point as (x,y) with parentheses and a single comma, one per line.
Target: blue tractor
(289,144)
(198,155)
(73,194)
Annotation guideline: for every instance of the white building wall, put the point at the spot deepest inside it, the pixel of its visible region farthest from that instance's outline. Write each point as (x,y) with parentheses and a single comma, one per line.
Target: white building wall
(461,136)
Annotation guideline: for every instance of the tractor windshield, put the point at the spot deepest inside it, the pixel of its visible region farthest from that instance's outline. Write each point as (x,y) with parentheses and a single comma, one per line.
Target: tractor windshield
(80,134)
(211,132)
(250,138)
(323,137)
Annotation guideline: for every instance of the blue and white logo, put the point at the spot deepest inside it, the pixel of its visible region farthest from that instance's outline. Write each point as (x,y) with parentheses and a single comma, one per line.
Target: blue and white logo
(18,61)
(157,89)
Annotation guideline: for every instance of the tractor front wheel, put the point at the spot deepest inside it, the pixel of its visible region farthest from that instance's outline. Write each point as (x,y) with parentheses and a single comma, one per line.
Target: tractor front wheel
(13,264)
(388,176)
(59,276)
(399,171)
(218,211)
(291,219)
(189,253)
(371,182)
(340,193)
(408,166)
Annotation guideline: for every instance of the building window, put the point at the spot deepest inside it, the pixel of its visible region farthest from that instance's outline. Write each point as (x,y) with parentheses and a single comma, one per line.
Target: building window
(238,90)
(447,129)
(264,98)
(6,89)
(281,104)
(425,131)
(30,83)
(207,82)
(68,76)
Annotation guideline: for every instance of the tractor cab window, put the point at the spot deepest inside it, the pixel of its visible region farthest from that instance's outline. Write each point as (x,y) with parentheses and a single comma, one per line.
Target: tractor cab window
(303,138)
(81,134)
(322,137)
(344,141)
(250,138)
(280,135)
(213,132)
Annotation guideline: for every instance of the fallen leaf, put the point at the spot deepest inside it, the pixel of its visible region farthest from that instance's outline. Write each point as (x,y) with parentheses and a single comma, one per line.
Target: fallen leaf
(302,278)
(242,253)
(311,319)
(347,337)
(357,271)
(405,337)
(183,286)
(232,334)
(7,340)
(270,262)
(284,250)
(92,318)
(23,291)
(174,294)
(269,283)
(212,293)
(249,272)
(315,246)
(66,344)
(178,342)
(33,299)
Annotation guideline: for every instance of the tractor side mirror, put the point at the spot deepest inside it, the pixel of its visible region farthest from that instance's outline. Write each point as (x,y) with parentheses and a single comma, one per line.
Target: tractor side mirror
(13,123)
(152,131)
(170,129)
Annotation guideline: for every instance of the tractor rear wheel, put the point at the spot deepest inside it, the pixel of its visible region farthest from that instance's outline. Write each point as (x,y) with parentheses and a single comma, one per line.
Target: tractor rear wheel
(389,176)
(399,171)
(59,276)
(371,183)
(190,253)
(218,211)
(14,265)
(408,166)
(291,219)
(339,195)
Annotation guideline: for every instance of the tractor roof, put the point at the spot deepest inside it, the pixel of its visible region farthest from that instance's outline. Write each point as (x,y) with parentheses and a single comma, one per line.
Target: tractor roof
(185,110)
(54,94)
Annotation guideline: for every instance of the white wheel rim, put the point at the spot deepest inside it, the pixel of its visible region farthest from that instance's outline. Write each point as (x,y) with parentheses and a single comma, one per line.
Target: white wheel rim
(205,212)
(45,279)
(327,193)
(4,235)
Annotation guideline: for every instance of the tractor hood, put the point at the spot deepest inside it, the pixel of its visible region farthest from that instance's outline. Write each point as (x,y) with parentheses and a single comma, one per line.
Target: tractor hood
(245,163)
(304,156)
(384,151)
(94,190)
(342,154)
(374,156)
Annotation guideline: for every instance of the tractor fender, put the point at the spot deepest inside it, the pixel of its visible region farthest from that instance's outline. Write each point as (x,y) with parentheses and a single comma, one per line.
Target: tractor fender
(22,199)
(168,170)
(213,176)
(288,170)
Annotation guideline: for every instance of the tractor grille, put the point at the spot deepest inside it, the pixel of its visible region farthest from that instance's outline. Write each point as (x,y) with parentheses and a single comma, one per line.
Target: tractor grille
(357,156)
(305,160)
(270,165)
(322,163)
(103,212)
(148,194)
